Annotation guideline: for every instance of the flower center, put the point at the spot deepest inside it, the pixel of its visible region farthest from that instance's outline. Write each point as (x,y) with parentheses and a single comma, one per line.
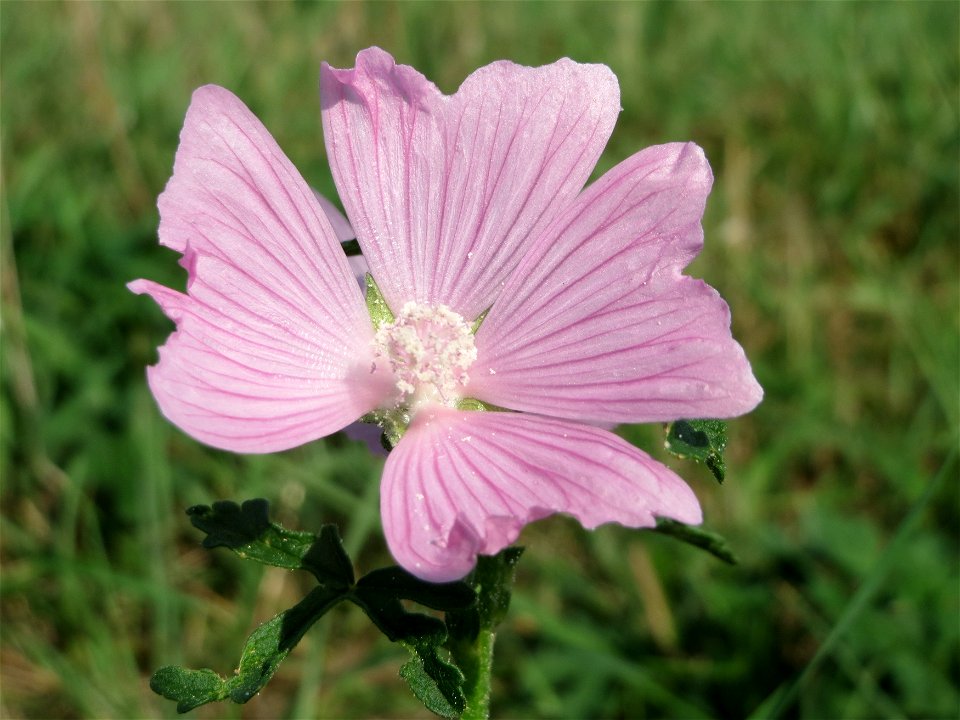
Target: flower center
(429,348)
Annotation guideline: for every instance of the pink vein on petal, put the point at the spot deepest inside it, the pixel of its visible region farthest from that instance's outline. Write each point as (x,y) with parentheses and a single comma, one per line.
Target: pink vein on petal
(597,324)
(462,483)
(272,347)
(532,168)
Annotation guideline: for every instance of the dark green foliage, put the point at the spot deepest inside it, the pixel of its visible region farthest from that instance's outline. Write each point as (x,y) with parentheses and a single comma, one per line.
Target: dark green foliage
(492,581)
(435,682)
(700,440)
(265,649)
(247,530)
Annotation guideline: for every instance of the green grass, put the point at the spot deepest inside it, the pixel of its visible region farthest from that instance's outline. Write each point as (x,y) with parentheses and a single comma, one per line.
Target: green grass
(832,231)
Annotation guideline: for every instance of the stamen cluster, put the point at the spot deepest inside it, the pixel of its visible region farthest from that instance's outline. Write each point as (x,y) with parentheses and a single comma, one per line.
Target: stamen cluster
(430,348)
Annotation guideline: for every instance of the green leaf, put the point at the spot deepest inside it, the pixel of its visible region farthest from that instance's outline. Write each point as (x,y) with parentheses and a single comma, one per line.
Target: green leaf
(351,247)
(246,529)
(377,307)
(700,440)
(190,688)
(398,583)
(327,559)
(713,543)
(265,649)
(398,624)
(436,683)
(270,643)
(491,580)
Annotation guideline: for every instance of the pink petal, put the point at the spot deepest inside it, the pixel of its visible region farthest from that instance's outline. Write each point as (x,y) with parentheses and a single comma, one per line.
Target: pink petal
(446,191)
(598,324)
(343,231)
(272,347)
(339,223)
(463,483)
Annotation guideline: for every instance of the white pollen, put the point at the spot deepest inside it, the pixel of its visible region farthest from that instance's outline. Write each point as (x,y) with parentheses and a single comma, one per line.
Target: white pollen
(430,348)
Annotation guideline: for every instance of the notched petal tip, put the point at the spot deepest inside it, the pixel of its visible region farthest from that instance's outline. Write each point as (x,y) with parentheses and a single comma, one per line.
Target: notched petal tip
(445,191)
(373,66)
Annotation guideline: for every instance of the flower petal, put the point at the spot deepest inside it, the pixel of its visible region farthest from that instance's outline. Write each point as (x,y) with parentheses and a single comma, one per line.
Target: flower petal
(598,324)
(339,223)
(462,483)
(272,347)
(444,192)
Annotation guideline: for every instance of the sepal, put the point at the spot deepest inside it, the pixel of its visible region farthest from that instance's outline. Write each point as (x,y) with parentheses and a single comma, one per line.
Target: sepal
(380,312)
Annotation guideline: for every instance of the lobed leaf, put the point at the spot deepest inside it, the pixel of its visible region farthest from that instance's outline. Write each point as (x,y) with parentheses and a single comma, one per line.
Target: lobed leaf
(263,652)
(189,688)
(246,529)
(435,682)
(398,583)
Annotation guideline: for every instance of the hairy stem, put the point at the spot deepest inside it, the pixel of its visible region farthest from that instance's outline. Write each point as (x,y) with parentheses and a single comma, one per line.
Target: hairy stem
(476,662)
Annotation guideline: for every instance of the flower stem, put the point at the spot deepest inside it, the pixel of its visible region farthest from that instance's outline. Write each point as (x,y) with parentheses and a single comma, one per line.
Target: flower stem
(477,666)
(472,636)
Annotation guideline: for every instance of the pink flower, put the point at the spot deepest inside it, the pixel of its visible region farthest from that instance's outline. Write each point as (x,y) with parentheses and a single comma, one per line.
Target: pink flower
(461,204)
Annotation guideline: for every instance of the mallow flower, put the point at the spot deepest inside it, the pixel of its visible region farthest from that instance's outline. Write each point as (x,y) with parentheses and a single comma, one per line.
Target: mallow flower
(517,315)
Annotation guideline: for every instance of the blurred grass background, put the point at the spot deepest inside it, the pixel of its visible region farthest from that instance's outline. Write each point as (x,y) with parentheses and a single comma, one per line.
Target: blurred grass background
(832,232)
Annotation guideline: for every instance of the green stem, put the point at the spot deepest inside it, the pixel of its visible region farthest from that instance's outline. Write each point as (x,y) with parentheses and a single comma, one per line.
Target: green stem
(477,666)
(471,642)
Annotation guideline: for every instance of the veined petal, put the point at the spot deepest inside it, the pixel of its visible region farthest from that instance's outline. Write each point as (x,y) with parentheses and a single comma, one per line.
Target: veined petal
(445,192)
(339,223)
(462,483)
(597,323)
(273,342)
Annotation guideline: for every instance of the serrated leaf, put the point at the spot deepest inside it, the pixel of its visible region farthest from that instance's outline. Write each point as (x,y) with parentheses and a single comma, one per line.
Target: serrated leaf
(246,529)
(262,654)
(189,688)
(436,683)
(230,525)
(700,440)
(270,643)
(398,583)
(713,543)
